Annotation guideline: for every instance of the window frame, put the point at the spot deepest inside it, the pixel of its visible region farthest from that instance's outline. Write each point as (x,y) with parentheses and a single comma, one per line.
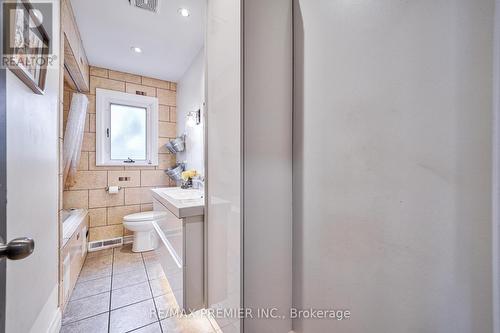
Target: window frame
(104,99)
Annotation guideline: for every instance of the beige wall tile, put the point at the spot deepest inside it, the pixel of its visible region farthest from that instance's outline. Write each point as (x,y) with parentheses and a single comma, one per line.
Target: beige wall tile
(164,113)
(114,178)
(154,178)
(167,129)
(84,161)
(108,232)
(92,165)
(97,71)
(87,123)
(116,214)
(166,161)
(75,199)
(99,82)
(141,167)
(147,81)
(91,106)
(121,76)
(67,98)
(101,198)
(88,141)
(103,205)
(146,207)
(90,180)
(92,122)
(173,114)
(97,217)
(66,105)
(132,88)
(161,145)
(138,195)
(166,97)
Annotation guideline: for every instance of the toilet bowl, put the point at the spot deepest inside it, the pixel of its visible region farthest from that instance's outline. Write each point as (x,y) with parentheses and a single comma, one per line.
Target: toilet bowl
(145,238)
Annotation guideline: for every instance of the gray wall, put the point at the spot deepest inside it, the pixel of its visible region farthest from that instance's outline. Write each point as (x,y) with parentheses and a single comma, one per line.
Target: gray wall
(267,161)
(392,185)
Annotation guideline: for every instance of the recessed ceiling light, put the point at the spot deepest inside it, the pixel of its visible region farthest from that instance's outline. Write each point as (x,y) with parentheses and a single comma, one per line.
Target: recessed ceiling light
(184,12)
(136,49)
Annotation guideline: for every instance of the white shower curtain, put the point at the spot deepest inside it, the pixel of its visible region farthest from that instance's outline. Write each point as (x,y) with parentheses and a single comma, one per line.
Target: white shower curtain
(73,137)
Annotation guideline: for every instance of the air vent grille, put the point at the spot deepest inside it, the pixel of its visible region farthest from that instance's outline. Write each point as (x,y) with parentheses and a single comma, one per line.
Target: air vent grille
(151,5)
(95,245)
(105,244)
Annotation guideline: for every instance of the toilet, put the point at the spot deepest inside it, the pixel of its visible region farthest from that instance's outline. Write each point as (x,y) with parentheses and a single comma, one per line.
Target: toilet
(145,237)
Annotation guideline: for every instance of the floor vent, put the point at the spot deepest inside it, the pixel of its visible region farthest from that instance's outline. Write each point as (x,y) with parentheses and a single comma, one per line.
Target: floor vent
(151,5)
(105,244)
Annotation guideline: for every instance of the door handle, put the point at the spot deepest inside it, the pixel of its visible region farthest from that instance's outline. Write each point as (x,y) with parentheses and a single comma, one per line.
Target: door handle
(17,249)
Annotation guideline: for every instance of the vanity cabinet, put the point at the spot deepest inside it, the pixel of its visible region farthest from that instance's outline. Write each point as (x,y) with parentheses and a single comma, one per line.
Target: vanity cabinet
(180,252)
(76,65)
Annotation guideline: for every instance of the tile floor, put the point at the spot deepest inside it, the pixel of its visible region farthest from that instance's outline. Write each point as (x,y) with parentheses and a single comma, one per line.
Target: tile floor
(121,291)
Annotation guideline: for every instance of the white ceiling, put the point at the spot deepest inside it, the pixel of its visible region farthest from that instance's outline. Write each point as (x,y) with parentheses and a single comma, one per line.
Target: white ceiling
(169,42)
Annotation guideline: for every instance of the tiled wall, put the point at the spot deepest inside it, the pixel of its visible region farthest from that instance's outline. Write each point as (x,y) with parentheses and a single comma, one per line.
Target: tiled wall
(107,210)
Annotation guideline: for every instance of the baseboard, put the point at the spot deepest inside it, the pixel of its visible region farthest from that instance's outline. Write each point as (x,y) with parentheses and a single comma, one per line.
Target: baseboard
(55,325)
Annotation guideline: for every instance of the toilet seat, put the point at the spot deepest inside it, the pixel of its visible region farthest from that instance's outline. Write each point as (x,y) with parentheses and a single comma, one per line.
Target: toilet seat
(145,216)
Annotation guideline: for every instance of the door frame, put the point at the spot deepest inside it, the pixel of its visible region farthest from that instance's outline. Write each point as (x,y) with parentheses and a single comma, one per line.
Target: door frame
(496,172)
(3,178)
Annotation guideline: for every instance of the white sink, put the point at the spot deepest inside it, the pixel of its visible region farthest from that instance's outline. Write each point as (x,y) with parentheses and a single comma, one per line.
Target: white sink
(183,194)
(181,202)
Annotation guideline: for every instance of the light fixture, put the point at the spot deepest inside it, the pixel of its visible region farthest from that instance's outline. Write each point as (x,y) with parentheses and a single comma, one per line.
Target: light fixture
(193,118)
(184,12)
(136,49)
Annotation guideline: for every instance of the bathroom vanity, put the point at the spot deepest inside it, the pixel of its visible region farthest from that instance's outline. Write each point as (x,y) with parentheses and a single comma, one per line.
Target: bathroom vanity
(180,242)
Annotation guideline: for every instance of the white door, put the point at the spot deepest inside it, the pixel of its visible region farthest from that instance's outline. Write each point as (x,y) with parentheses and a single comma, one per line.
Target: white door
(30,137)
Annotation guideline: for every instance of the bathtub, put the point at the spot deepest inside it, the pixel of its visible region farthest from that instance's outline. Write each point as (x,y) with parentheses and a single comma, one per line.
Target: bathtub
(71,219)
(74,226)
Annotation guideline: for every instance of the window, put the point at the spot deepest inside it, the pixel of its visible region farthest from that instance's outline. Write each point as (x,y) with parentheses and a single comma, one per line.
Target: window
(126,129)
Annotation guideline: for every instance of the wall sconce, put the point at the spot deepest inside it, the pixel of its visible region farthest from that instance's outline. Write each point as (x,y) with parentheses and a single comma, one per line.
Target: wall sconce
(193,118)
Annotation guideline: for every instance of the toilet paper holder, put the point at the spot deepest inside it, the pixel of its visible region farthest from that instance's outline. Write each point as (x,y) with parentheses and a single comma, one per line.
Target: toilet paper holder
(107,188)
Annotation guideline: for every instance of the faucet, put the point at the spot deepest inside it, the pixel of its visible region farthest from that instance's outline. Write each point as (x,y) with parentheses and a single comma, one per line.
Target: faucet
(198,182)
(187,183)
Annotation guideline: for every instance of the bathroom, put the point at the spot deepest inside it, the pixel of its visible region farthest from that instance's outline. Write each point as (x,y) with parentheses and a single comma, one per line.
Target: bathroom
(132,167)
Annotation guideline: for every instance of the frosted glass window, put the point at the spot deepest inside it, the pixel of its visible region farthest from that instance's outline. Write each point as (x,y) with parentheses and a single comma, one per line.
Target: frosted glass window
(128,132)
(126,129)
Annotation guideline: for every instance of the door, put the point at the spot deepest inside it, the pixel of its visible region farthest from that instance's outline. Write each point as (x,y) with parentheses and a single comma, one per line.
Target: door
(29,161)
(22,247)
(223,158)
(3,178)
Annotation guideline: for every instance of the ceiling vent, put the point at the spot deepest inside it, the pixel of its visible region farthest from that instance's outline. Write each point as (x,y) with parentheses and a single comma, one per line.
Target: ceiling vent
(151,5)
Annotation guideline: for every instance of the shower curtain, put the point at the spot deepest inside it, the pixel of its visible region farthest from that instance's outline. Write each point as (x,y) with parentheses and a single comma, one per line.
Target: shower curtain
(73,137)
